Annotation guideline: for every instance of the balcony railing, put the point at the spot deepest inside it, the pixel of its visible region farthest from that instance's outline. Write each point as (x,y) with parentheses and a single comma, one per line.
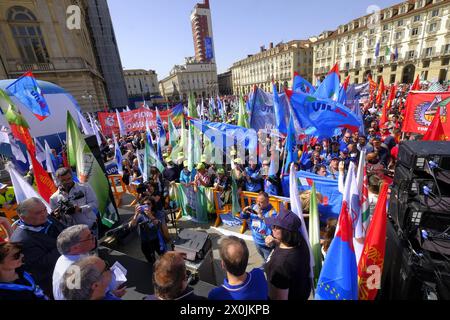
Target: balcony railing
(55,64)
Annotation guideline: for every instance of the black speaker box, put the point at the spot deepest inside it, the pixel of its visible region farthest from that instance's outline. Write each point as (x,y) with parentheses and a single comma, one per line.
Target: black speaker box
(414,154)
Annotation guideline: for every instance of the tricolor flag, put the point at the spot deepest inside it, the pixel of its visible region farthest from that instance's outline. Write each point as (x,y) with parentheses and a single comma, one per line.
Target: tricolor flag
(296,207)
(339,276)
(27,91)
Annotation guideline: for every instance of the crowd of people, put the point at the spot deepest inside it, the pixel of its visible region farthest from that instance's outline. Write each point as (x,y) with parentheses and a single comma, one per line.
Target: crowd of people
(44,255)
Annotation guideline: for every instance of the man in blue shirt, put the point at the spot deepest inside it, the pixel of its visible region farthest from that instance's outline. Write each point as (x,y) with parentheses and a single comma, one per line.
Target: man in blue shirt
(238,284)
(253,178)
(256,216)
(346,140)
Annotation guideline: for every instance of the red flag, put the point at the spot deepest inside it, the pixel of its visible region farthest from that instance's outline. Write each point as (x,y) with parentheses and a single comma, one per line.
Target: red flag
(416,85)
(387,105)
(346,83)
(45,184)
(19,129)
(370,266)
(335,69)
(419,111)
(381,89)
(435,130)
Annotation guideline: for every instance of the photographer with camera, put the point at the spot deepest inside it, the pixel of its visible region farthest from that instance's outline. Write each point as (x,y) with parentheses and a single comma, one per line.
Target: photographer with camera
(74,203)
(149,228)
(257,216)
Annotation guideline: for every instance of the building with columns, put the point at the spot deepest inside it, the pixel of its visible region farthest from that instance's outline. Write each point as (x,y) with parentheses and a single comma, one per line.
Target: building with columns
(277,63)
(34,37)
(196,77)
(400,42)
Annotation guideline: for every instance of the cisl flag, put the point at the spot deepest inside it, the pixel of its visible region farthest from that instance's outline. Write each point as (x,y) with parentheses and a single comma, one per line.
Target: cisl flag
(421,108)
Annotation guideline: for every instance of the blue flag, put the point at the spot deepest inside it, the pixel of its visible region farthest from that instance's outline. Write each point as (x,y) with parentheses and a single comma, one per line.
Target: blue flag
(291,144)
(29,94)
(323,118)
(280,117)
(161,131)
(377,49)
(342,96)
(339,276)
(302,85)
(329,88)
(118,155)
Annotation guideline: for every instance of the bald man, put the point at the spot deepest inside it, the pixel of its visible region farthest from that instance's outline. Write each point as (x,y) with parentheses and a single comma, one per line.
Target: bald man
(239,284)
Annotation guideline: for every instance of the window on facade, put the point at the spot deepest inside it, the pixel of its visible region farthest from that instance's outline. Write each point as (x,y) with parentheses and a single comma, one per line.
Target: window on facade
(372,31)
(411,54)
(381,59)
(394,68)
(435,13)
(417,18)
(360,45)
(415,31)
(357,64)
(392,80)
(385,27)
(399,23)
(28,36)
(432,27)
(398,35)
(428,51)
(426,64)
(447,48)
(384,39)
(368,61)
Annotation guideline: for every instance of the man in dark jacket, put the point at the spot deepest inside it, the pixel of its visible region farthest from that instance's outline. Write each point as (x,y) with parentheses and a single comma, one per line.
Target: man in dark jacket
(37,231)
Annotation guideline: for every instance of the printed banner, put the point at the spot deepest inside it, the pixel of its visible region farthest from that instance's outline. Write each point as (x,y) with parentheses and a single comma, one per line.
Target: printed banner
(421,108)
(111,168)
(134,120)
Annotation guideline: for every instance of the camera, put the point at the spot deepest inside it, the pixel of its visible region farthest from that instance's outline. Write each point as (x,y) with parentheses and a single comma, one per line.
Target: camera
(65,207)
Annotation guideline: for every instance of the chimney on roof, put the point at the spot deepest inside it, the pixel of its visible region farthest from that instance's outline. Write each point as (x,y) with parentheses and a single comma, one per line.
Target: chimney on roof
(207,3)
(263,48)
(271,45)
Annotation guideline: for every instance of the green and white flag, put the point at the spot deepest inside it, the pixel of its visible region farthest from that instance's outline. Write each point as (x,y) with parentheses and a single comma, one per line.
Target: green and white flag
(89,171)
(242,116)
(150,160)
(236,206)
(173,134)
(314,233)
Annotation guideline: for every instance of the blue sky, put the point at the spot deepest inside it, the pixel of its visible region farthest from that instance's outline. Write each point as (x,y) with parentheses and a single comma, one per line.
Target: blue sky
(156,34)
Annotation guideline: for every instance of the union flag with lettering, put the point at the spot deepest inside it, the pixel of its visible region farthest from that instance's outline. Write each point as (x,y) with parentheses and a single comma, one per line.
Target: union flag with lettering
(421,108)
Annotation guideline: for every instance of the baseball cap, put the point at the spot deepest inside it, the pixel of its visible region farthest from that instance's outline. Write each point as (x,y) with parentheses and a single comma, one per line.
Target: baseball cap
(220,171)
(286,220)
(335,156)
(185,163)
(200,166)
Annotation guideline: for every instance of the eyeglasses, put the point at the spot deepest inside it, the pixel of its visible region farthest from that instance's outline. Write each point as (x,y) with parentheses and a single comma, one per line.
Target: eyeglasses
(107,267)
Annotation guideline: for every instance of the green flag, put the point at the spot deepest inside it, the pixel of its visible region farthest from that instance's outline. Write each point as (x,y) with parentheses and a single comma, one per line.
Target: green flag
(192,110)
(388,51)
(243,116)
(89,171)
(314,233)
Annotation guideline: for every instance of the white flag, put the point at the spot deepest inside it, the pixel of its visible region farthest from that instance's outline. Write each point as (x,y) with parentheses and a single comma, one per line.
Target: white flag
(40,152)
(123,131)
(22,189)
(95,129)
(87,129)
(48,159)
(296,207)
(127,109)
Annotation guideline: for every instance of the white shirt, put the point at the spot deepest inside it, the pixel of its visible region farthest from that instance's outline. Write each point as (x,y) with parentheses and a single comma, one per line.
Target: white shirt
(80,195)
(63,263)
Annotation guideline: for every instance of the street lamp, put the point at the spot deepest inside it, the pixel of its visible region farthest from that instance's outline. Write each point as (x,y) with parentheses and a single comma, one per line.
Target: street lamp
(88,96)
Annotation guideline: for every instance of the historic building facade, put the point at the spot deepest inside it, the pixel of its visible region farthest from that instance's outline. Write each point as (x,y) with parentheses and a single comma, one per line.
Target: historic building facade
(400,42)
(35,36)
(277,63)
(198,78)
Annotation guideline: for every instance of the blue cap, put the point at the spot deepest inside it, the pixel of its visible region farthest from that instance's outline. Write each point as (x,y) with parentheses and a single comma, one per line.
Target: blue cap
(334,156)
(286,220)
(345,150)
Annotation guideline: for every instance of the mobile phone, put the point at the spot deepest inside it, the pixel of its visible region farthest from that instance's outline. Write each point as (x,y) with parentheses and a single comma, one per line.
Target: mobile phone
(143,207)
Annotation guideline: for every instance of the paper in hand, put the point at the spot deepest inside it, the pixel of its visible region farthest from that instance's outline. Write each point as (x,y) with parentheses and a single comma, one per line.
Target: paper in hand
(120,273)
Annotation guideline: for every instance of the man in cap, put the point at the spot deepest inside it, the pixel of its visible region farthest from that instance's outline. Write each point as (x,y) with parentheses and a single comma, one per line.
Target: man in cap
(185,175)
(202,177)
(253,177)
(333,168)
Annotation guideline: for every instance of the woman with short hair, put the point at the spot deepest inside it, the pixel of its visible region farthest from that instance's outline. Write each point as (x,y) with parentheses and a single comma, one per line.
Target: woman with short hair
(16,284)
(288,266)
